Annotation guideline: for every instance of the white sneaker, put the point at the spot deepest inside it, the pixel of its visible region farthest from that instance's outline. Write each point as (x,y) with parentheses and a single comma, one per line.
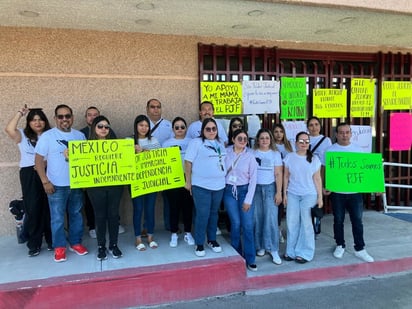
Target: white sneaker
(339,251)
(214,245)
(218,231)
(92,233)
(200,251)
(121,229)
(189,239)
(260,252)
(173,240)
(275,257)
(363,255)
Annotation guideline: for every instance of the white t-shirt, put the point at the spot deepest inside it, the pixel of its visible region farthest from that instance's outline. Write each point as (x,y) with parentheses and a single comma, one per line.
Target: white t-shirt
(147,144)
(208,163)
(267,161)
(320,150)
(301,174)
(181,143)
(27,153)
(52,145)
(195,127)
(163,131)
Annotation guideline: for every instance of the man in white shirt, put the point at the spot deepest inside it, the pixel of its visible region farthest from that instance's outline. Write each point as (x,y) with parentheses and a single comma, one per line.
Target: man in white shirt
(206,110)
(352,202)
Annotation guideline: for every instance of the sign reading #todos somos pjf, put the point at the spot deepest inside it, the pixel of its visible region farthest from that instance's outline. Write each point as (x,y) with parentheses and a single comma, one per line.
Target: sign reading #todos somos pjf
(98,163)
(354,172)
(158,170)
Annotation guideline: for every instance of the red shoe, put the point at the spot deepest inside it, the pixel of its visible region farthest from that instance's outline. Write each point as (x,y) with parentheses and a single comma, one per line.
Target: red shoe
(60,254)
(79,249)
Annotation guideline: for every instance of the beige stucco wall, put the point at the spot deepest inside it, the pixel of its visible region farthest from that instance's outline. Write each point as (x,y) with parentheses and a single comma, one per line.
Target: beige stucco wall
(117,72)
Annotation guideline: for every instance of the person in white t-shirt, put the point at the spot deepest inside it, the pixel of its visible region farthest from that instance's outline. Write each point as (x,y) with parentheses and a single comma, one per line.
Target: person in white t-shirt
(318,142)
(302,190)
(144,141)
(206,110)
(352,202)
(268,195)
(53,145)
(205,173)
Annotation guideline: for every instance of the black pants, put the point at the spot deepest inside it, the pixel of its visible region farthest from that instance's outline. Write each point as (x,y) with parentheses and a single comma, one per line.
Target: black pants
(36,208)
(180,201)
(105,202)
(89,212)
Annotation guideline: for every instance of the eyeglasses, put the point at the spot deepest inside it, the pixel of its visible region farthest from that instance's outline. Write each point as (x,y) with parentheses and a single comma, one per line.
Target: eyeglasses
(237,126)
(180,128)
(155,106)
(101,126)
(241,139)
(210,129)
(67,116)
(304,141)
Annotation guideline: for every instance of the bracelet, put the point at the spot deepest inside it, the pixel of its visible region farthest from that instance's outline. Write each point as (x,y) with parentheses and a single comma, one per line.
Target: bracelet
(21,113)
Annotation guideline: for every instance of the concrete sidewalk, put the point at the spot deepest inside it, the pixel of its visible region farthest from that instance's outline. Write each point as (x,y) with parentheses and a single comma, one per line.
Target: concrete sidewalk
(170,274)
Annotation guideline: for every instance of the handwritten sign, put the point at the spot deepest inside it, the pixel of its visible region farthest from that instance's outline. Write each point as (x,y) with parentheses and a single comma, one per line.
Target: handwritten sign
(396,95)
(400,131)
(293,98)
(362,136)
(354,172)
(158,170)
(225,96)
(97,163)
(292,128)
(260,96)
(362,99)
(329,103)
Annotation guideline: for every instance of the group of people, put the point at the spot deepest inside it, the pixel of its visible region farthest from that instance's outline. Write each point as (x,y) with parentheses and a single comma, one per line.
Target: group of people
(255,184)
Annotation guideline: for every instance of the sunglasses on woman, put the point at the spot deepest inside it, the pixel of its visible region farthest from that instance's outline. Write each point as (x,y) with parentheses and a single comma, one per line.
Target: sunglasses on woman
(101,126)
(210,129)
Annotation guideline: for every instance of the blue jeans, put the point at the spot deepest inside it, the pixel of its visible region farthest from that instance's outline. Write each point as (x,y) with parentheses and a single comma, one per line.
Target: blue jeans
(301,236)
(144,202)
(266,218)
(207,203)
(241,223)
(61,201)
(353,203)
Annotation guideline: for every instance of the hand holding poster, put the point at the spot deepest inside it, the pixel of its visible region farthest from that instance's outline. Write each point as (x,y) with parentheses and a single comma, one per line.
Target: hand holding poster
(354,172)
(98,163)
(158,170)
(260,96)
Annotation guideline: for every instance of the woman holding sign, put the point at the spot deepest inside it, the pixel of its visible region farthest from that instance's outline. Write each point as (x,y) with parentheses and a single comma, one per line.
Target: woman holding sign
(302,189)
(144,141)
(205,179)
(179,198)
(105,200)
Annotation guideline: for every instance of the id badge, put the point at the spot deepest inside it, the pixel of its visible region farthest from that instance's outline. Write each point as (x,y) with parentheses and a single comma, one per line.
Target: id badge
(232,178)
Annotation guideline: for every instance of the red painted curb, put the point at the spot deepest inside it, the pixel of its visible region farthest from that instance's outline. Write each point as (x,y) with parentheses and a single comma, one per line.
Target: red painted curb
(130,287)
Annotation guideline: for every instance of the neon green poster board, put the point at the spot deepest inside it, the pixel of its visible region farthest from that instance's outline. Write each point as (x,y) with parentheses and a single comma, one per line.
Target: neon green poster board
(98,163)
(396,95)
(225,96)
(293,98)
(158,170)
(362,97)
(354,172)
(329,103)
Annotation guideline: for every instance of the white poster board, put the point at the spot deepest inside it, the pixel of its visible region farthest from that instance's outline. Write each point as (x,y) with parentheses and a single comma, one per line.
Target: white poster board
(362,136)
(260,96)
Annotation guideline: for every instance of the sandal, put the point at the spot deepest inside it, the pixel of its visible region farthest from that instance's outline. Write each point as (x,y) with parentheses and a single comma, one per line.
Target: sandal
(153,244)
(141,247)
(287,258)
(301,260)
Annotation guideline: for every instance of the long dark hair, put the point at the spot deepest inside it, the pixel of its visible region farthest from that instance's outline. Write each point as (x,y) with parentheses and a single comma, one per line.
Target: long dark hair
(179,119)
(204,123)
(309,154)
(28,131)
(230,133)
(137,120)
(285,141)
(92,134)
